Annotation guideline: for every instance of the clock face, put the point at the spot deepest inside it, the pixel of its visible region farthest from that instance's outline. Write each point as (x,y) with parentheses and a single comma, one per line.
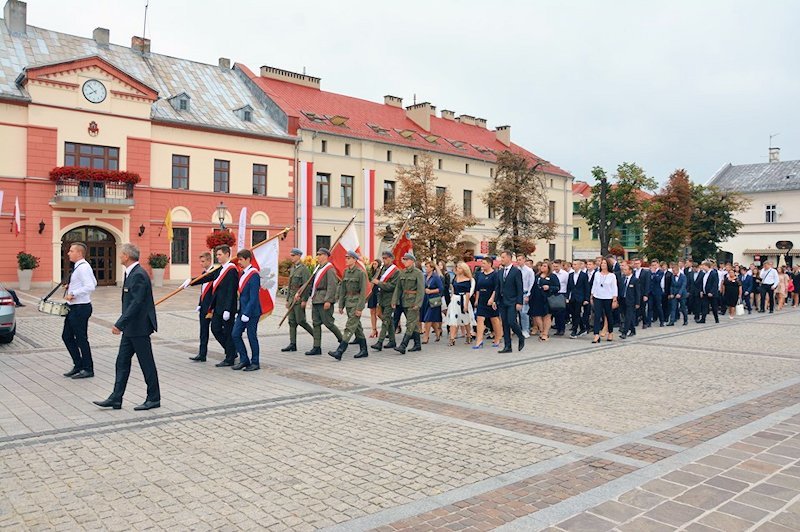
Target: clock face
(94,91)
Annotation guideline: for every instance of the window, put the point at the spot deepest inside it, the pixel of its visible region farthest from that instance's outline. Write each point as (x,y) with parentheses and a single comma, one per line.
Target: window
(257,237)
(441,164)
(183,105)
(576,206)
(180,245)
(324,190)
(492,214)
(222,173)
(248,116)
(347,191)
(324,146)
(347,150)
(259,180)
(323,241)
(91,156)
(551,183)
(551,252)
(576,233)
(440,191)
(467,203)
(416,160)
(466,168)
(180,172)
(389,156)
(491,172)
(388,192)
(771,213)
(551,212)
(594,234)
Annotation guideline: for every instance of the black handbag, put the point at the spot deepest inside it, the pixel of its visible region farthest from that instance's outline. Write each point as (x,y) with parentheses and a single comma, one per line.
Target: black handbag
(557,302)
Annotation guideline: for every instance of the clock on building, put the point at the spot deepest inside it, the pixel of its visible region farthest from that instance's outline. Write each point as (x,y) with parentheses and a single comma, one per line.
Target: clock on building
(94,91)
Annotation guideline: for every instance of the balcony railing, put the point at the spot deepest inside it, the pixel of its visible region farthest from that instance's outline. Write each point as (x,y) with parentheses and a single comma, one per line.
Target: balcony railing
(93,191)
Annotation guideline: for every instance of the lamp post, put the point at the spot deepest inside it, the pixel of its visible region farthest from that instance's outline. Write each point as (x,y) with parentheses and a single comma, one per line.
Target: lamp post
(221,208)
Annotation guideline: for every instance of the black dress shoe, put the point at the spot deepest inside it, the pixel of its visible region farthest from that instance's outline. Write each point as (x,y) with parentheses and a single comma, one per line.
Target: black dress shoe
(505,350)
(109,403)
(623,336)
(252,367)
(147,405)
(559,333)
(73,371)
(84,374)
(314,351)
(198,358)
(289,348)
(632,333)
(224,364)
(240,365)
(521,345)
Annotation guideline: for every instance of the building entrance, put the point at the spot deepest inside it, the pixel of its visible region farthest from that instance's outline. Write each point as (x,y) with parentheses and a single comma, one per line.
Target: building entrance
(101,253)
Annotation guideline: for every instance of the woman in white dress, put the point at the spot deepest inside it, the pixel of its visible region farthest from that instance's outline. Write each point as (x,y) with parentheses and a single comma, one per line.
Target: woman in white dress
(459,312)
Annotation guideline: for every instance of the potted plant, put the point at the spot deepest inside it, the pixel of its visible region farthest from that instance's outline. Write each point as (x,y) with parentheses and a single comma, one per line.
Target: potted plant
(158,262)
(26,263)
(218,238)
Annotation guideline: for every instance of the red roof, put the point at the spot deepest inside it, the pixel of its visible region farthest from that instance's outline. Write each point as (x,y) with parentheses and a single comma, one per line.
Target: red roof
(585,189)
(453,137)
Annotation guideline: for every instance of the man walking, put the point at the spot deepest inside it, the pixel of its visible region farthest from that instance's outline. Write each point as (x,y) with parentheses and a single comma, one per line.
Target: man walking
(224,289)
(76,323)
(298,276)
(769,282)
(560,316)
(322,293)
(578,299)
(709,292)
(385,283)
(409,293)
(677,296)
(136,324)
(629,301)
(528,278)
(353,298)
(203,307)
(508,300)
(643,278)
(249,313)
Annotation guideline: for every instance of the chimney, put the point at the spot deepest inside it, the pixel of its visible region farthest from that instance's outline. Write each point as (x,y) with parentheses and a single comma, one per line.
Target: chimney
(433,110)
(394,101)
(466,119)
(289,77)
(448,115)
(774,155)
(15,15)
(503,134)
(420,114)
(480,122)
(101,36)
(224,63)
(140,44)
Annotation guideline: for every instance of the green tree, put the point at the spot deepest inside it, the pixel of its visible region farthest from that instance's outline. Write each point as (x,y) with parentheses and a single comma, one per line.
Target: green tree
(434,220)
(668,219)
(713,219)
(519,198)
(616,204)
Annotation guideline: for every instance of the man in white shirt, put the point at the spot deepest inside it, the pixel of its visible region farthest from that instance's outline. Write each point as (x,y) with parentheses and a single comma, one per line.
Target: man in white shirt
(560,316)
(769,282)
(75,335)
(528,278)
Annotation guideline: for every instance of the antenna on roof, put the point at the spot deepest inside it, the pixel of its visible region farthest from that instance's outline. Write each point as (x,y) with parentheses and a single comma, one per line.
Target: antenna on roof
(304,71)
(771,137)
(144,28)
(415,98)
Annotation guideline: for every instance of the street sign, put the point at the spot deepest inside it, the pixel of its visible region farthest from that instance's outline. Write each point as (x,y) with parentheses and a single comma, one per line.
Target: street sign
(784,244)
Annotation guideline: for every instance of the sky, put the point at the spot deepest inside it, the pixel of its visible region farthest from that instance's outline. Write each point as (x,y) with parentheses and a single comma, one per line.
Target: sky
(682,84)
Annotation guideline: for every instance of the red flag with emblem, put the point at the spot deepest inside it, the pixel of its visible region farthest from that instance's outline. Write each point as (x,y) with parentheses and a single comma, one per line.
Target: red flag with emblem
(265,261)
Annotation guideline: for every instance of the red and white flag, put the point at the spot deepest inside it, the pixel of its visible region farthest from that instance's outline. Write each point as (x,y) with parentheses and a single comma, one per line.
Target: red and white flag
(240,239)
(265,261)
(306,199)
(347,242)
(369,215)
(17,223)
(403,246)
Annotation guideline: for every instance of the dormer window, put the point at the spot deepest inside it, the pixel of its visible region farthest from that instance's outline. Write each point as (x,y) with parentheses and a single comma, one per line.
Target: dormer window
(180,102)
(183,105)
(244,113)
(248,116)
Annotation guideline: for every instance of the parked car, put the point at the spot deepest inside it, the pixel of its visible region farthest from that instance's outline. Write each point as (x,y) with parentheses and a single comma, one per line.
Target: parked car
(8,322)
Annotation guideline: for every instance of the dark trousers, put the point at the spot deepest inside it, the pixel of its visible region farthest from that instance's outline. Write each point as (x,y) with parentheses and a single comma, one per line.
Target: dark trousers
(693,306)
(509,315)
(560,319)
(252,331)
(708,302)
(767,291)
(656,309)
(205,323)
(223,332)
(140,345)
(628,310)
(76,336)
(602,309)
(574,309)
(644,310)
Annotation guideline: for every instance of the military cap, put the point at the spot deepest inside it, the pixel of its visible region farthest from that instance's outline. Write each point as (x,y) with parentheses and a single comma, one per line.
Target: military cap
(409,256)
(296,251)
(387,254)
(353,255)
(324,251)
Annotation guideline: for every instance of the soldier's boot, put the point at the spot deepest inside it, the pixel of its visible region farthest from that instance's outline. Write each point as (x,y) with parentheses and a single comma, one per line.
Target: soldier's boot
(363,353)
(337,354)
(289,348)
(390,344)
(402,347)
(354,341)
(314,351)
(417,343)
(378,346)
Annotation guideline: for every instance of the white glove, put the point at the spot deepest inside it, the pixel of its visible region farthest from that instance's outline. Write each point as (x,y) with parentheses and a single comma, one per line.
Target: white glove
(185,284)
(197,309)
(226,316)
(245,319)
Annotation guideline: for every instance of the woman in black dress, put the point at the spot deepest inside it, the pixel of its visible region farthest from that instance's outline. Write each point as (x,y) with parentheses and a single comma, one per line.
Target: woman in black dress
(485,281)
(545,284)
(431,311)
(372,302)
(731,292)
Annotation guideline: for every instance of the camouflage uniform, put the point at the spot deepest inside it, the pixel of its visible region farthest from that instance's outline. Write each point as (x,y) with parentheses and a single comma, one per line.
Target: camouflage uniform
(353,298)
(325,293)
(298,275)
(385,295)
(409,292)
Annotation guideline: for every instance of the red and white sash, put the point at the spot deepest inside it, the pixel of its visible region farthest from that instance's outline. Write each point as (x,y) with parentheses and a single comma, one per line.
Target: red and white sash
(204,288)
(390,271)
(319,275)
(227,268)
(246,275)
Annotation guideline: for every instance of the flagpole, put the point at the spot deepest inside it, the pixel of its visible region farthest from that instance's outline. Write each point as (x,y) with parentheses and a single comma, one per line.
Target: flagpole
(305,285)
(216,267)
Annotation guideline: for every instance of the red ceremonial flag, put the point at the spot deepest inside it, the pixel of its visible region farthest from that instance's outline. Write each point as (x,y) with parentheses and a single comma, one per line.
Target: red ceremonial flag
(265,261)
(402,247)
(347,242)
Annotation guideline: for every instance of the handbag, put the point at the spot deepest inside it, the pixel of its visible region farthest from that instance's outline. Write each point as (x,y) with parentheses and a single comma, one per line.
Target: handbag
(435,301)
(740,309)
(557,302)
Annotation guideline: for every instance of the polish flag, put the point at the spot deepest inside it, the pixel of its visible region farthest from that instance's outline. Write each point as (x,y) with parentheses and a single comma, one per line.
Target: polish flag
(265,261)
(306,199)
(369,214)
(347,242)
(17,223)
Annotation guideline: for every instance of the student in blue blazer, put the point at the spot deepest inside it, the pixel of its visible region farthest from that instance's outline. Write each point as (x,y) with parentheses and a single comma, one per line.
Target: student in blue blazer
(677,296)
(249,312)
(747,287)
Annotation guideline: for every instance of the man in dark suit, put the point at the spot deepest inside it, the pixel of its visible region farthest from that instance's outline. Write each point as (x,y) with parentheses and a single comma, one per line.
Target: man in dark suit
(642,275)
(224,303)
(667,290)
(656,293)
(690,271)
(629,297)
(578,299)
(709,291)
(203,305)
(137,323)
(508,296)
(613,266)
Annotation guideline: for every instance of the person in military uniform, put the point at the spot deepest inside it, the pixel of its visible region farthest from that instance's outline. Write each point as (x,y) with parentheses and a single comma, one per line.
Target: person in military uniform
(322,293)
(409,293)
(353,298)
(385,282)
(298,275)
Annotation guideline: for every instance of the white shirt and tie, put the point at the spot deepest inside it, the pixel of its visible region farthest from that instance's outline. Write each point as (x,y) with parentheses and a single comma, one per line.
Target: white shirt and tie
(769,277)
(81,283)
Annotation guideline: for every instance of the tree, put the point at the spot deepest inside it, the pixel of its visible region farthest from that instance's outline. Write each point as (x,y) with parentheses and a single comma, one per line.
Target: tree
(668,219)
(519,198)
(613,206)
(434,220)
(713,219)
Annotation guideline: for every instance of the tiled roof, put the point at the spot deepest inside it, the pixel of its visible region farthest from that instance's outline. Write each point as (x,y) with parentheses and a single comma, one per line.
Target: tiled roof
(582,188)
(761,177)
(215,92)
(384,123)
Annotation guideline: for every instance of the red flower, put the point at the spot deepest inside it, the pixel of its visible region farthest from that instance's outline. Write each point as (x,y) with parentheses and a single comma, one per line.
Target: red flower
(218,238)
(62,173)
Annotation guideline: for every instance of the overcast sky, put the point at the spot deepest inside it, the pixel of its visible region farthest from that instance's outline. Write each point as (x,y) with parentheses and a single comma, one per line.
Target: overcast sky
(686,83)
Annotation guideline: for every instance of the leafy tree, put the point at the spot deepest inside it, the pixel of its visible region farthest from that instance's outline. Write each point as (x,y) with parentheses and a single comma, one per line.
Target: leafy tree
(434,220)
(614,205)
(713,219)
(668,218)
(519,198)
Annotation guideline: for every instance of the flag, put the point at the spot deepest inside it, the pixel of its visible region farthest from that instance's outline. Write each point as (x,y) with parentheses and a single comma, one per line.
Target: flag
(306,202)
(402,247)
(17,223)
(168,225)
(1,201)
(242,228)
(347,242)
(265,260)
(369,214)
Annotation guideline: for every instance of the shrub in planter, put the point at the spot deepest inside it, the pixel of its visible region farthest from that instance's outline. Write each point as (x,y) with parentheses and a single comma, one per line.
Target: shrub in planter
(61,173)
(26,261)
(218,238)
(158,260)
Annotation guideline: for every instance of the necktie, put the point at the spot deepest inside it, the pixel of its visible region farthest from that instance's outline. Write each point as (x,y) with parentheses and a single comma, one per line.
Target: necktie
(505,273)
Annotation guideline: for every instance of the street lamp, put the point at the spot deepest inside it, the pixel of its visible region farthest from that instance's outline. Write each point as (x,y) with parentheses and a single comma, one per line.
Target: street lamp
(221,208)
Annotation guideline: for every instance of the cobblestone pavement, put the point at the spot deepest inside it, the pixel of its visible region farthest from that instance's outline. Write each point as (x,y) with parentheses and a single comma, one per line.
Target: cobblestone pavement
(694,428)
